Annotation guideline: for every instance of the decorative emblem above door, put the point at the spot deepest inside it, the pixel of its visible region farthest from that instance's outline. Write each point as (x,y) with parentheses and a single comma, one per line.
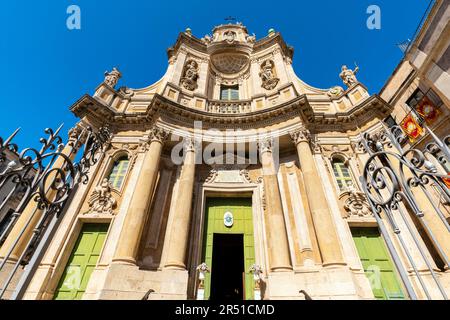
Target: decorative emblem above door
(228,219)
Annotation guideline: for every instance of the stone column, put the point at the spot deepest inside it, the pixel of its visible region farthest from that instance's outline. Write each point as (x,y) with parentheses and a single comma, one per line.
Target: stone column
(23,229)
(136,217)
(276,227)
(323,222)
(179,237)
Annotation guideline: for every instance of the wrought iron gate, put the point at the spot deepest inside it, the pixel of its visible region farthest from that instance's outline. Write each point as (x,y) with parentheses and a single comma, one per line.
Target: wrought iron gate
(391,176)
(41,182)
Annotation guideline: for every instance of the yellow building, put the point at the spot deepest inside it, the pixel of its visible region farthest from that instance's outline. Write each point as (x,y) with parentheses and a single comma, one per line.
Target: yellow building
(231,177)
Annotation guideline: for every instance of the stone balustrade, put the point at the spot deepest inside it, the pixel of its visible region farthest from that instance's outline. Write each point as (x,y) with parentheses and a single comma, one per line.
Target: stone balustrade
(231,107)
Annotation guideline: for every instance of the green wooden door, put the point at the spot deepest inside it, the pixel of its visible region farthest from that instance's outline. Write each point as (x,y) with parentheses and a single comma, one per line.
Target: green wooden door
(241,208)
(82,262)
(377,264)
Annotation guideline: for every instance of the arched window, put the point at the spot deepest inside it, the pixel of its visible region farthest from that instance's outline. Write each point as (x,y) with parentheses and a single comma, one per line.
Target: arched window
(342,174)
(118,172)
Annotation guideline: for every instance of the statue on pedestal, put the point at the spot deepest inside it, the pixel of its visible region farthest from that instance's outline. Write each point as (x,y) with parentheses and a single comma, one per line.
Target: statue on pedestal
(112,77)
(348,76)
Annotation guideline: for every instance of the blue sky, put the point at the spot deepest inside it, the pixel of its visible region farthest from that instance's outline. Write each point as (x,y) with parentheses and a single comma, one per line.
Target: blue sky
(46,67)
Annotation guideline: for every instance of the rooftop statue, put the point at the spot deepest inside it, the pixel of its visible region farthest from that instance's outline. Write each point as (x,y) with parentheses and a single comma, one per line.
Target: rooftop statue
(348,76)
(112,77)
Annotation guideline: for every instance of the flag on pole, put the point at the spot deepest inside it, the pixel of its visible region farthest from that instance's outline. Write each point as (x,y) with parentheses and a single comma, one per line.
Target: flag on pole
(411,127)
(427,110)
(447,181)
(404,45)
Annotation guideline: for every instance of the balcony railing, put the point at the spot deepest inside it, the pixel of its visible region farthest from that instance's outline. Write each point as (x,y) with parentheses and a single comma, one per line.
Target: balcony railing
(229,107)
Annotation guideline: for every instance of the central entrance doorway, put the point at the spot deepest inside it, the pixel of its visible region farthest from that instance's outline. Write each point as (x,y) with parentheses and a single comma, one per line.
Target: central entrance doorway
(227,281)
(229,249)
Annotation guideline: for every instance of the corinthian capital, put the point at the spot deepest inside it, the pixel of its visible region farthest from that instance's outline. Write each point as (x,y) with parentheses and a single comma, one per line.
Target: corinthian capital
(158,134)
(77,136)
(189,144)
(300,135)
(265,144)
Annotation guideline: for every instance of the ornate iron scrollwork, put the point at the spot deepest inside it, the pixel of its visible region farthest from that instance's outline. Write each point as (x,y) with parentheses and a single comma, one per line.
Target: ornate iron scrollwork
(390,177)
(44,180)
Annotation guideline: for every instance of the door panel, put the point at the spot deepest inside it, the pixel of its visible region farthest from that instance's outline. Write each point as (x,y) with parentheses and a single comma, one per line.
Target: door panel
(241,208)
(377,264)
(82,262)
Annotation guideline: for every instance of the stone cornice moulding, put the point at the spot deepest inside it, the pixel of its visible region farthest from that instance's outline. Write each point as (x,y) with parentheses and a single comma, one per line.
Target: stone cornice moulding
(170,111)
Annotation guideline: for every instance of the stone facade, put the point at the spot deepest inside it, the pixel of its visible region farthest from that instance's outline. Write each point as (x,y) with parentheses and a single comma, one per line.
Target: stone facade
(302,216)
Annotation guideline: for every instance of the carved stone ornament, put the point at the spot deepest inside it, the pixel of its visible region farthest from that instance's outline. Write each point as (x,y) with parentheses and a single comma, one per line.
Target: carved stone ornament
(335,91)
(229,63)
(230,36)
(126,92)
(257,271)
(75,132)
(348,76)
(203,269)
(189,144)
(300,135)
(101,201)
(190,75)
(260,181)
(316,147)
(158,134)
(246,175)
(77,136)
(112,77)
(207,39)
(250,38)
(269,81)
(355,204)
(331,150)
(212,176)
(228,176)
(265,145)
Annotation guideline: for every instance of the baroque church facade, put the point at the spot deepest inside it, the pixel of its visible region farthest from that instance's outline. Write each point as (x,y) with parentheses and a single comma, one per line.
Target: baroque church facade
(231,177)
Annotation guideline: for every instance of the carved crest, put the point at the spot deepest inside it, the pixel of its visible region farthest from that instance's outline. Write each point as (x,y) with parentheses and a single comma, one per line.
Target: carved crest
(230,36)
(101,201)
(355,204)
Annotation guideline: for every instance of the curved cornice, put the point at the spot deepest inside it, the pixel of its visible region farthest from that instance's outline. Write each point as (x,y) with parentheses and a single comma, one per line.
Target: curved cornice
(190,41)
(169,111)
(269,41)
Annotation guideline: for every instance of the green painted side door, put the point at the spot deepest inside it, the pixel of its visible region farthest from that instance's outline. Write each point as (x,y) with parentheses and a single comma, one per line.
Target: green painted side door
(241,208)
(377,264)
(82,262)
